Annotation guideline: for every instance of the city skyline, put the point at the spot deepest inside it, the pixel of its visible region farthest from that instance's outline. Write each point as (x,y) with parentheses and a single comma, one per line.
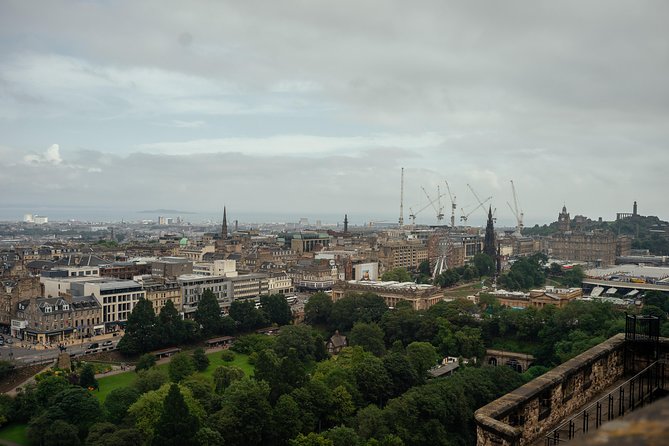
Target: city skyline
(311,109)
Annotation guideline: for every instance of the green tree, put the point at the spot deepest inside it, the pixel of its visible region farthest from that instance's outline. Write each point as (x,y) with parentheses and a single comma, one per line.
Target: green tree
(401,372)
(61,433)
(253,343)
(200,360)
(397,274)
(447,278)
(208,314)
(208,437)
(170,325)
(424,268)
(342,436)
(286,419)
(87,377)
(371,423)
(145,362)
(317,310)
(151,379)
(118,401)
(311,439)
(357,307)
(146,412)
(6,409)
(276,308)
(202,389)
(245,413)
(308,344)
(181,366)
(369,336)
(372,379)
(79,407)
(423,356)
(485,265)
(176,426)
(141,331)
(98,434)
(224,376)
(247,316)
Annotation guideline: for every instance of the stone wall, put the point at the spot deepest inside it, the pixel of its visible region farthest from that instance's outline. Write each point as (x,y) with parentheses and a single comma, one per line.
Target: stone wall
(529,412)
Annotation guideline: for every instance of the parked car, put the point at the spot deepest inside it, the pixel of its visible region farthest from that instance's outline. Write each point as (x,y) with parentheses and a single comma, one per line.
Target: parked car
(107,343)
(9,341)
(2,342)
(93,346)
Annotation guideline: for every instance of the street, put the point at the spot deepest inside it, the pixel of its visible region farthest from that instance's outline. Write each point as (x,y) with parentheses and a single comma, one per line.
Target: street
(24,352)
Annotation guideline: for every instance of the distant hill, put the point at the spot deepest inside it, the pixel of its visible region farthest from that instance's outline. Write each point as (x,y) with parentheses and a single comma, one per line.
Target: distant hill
(165,211)
(648,232)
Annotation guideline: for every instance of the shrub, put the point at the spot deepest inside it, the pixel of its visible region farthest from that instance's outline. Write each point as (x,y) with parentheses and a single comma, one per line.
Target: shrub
(228,356)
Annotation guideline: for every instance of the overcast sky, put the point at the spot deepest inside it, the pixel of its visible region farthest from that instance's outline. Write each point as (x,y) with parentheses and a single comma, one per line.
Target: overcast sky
(311,107)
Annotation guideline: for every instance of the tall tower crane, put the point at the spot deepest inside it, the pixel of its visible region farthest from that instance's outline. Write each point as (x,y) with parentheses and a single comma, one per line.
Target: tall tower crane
(477,198)
(401,219)
(518,213)
(439,209)
(453,206)
(481,204)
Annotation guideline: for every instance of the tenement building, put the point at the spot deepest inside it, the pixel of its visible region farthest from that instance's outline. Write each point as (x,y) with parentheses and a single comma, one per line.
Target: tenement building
(54,319)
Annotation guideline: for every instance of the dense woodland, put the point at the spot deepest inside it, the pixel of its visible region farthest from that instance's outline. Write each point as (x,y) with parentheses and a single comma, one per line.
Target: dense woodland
(375,392)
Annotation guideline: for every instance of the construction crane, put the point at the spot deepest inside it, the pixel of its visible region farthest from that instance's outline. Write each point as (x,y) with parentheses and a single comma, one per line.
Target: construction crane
(453,206)
(477,197)
(413,214)
(518,213)
(438,210)
(401,220)
(481,204)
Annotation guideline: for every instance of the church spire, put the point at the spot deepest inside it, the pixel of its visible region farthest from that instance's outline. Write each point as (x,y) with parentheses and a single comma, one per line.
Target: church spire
(224,226)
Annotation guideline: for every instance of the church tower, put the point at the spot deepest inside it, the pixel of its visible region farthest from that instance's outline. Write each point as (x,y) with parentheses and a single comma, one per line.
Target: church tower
(489,242)
(563,220)
(224,226)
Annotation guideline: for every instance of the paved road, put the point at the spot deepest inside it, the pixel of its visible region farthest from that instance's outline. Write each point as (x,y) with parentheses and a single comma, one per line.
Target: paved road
(26,353)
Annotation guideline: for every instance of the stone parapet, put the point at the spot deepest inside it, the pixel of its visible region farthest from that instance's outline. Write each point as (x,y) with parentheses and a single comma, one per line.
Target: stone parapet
(525,414)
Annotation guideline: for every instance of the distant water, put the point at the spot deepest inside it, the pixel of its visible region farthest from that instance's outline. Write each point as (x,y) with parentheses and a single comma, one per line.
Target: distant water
(88,214)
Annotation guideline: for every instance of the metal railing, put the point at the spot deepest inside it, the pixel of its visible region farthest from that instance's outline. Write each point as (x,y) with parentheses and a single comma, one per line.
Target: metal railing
(637,391)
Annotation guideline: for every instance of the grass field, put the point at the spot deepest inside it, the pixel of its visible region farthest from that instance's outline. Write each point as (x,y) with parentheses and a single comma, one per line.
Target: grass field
(16,433)
(109,383)
(463,290)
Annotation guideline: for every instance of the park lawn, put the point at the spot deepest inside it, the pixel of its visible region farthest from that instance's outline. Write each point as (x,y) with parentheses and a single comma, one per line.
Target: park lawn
(241,361)
(109,383)
(16,433)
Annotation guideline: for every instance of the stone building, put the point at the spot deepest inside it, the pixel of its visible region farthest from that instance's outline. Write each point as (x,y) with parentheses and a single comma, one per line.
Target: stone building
(420,297)
(597,247)
(159,290)
(55,319)
(14,290)
(405,254)
(537,298)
